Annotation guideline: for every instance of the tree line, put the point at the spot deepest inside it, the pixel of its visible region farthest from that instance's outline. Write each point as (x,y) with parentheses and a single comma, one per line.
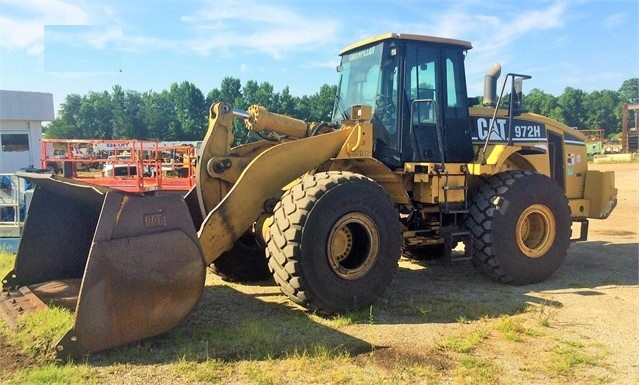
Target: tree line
(181,112)
(177,114)
(583,110)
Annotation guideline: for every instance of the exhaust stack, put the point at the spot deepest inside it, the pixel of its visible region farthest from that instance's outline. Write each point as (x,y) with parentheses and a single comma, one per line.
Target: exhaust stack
(490,86)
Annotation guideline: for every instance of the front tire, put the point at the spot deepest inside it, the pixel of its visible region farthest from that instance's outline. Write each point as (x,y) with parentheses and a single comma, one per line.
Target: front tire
(245,262)
(335,242)
(520,221)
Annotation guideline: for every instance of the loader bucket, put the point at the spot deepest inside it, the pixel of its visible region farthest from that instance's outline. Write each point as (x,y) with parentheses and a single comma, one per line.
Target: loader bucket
(129,265)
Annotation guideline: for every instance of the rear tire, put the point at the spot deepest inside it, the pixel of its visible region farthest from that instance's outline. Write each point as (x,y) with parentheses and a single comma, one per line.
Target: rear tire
(520,221)
(335,242)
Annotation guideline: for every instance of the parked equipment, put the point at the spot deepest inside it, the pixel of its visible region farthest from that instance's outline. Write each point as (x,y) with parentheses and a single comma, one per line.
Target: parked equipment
(129,165)
(407,164)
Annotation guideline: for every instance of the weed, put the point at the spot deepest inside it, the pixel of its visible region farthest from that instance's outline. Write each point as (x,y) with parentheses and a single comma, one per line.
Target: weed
(38,332)
(445,309)
(514,329)
(476,371)
(55,374)
(546,311)
(415,373)
(211,372)
(568,355)
(257,374)
(319,364)
(340,320)
(371,322)
(463,343)
(7,261)
(602,379)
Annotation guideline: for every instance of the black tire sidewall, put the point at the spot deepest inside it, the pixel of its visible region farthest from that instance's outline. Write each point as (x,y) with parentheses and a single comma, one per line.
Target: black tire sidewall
(526,191)
(245,262)
(358,195)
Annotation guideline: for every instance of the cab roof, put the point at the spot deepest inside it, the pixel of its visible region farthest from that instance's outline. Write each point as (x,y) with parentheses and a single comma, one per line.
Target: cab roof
(386,36)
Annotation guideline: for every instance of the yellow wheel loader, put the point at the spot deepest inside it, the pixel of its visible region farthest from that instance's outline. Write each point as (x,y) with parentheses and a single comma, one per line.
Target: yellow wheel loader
(406,165)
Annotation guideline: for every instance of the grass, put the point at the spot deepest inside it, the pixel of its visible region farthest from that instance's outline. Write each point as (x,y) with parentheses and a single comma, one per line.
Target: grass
(38,332)
(211,371)
(53,374)
(514,329)
(565,357)
(446,309)
(476,371)
(465,342)
(272,344)
(6,263)
(545,312)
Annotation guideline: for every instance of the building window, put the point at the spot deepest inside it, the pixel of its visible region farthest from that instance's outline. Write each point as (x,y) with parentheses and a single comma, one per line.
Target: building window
(14,142)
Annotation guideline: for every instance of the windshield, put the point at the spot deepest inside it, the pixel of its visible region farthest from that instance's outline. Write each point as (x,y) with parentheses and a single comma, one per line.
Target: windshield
(360,80)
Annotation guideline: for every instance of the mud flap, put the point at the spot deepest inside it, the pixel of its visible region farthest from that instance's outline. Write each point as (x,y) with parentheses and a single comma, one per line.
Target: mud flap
(137,256)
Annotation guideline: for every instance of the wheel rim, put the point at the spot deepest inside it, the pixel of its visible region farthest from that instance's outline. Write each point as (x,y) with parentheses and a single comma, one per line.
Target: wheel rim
(536,231)
(353,246)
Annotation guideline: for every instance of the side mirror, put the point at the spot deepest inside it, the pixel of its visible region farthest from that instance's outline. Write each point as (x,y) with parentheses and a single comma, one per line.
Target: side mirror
(516,95)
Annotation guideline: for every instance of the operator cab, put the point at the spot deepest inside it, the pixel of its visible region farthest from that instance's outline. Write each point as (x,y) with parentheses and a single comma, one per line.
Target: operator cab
(416,87)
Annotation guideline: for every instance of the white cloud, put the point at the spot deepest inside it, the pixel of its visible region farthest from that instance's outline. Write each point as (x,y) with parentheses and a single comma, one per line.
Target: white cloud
(495,32)
(580,79)
(330,64)
(102,36)
(268,29)
(21,35)
(95,36)
(23,22)
(615,20)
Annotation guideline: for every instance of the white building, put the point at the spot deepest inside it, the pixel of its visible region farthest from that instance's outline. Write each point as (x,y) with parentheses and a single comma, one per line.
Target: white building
(21,117)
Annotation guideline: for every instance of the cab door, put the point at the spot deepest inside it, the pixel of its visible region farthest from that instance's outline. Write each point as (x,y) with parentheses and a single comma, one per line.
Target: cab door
(436,118)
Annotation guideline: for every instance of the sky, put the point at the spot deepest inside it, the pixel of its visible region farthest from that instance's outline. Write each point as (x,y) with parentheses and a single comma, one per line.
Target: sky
(73,47)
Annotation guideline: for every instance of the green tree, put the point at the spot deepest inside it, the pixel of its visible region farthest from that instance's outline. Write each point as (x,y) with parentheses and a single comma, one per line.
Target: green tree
(128,114)
(261,94)
(287,103)
(572,105)
(540,102)
(303,108)
(628,94)
(230,91)
(321,104)
(249,92)
(66,124)
(135,111)
(629,91)
(600,107)
(190,109)
(96,116)
(158,115)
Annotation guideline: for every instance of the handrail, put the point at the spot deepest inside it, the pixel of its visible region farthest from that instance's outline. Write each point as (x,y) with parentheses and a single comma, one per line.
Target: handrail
(129,165)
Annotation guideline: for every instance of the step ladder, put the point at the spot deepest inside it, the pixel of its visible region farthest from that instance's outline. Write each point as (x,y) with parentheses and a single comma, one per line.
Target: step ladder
(457,233)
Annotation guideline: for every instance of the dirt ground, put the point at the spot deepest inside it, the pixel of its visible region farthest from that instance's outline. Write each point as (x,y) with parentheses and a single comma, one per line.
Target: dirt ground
(593,299)
(593,296)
